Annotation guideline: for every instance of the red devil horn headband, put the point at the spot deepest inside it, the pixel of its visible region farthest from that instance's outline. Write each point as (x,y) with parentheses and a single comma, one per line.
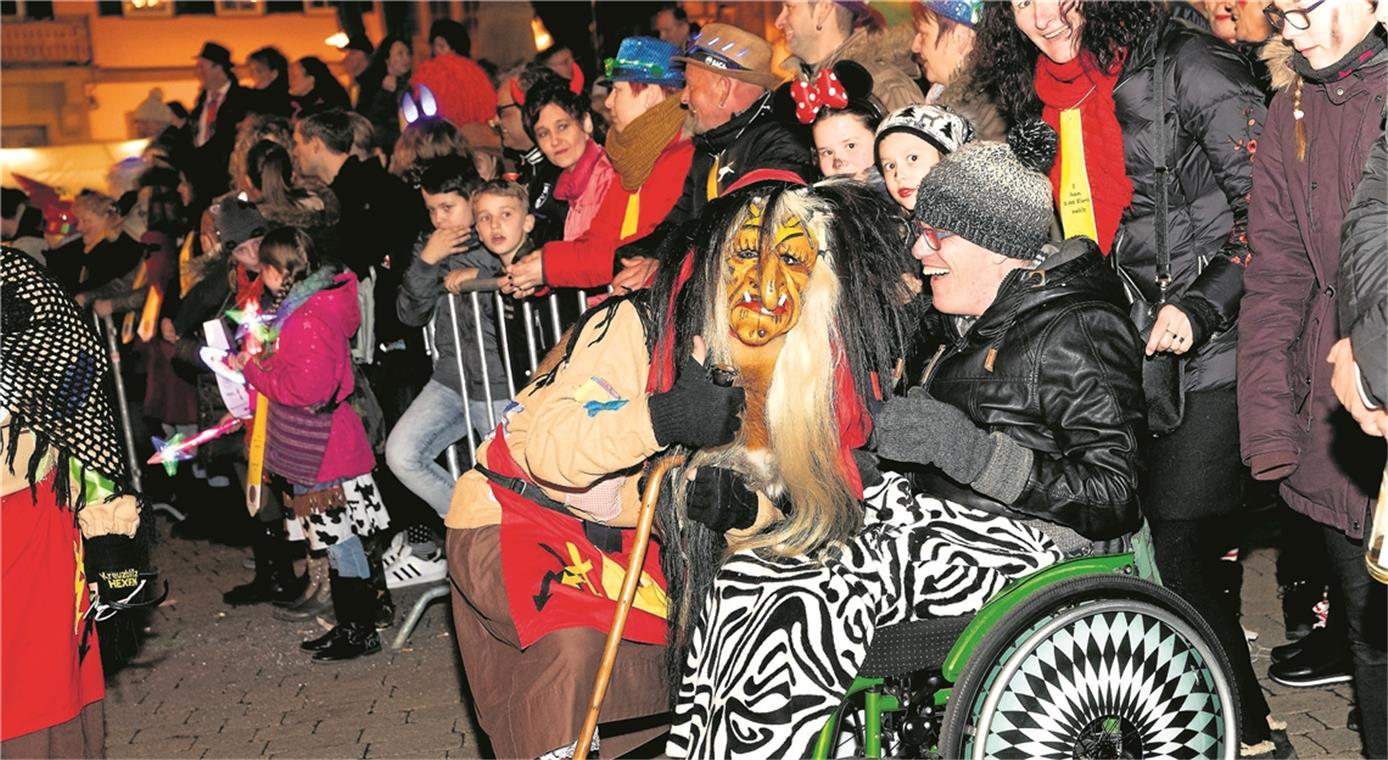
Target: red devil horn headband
(575,84)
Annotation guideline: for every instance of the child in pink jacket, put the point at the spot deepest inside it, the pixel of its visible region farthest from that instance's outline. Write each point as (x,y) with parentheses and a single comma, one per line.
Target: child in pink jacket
(316,450)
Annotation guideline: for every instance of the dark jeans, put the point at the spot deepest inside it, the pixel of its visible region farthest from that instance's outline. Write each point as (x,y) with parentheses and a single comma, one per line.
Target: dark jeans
(1359,602)
(1194,481)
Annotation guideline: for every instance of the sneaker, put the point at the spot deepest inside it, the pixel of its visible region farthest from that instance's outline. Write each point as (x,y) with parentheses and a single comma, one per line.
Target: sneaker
(411,570)
(391,554)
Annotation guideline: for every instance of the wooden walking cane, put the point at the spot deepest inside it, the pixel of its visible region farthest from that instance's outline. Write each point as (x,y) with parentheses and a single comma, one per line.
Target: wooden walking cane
(644,520)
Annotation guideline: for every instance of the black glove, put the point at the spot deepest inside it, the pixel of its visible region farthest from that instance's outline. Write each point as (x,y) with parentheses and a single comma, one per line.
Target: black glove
(720,499)
(868,471)
(696,412)
(925,431)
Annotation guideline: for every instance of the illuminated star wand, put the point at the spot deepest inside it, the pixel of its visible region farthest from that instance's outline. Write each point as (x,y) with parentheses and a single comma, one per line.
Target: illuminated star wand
(178,449)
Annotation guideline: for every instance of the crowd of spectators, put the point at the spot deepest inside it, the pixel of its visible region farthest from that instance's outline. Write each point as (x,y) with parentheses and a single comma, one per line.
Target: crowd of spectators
(1224,158)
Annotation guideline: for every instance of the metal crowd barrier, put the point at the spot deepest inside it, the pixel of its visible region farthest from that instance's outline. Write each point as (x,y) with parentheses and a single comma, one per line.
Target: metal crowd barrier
(106,329)
(537,345)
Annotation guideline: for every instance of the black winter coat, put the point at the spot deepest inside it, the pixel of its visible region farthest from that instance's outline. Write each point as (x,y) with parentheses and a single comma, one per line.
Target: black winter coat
(754,140)
(1363,306)
(1055,365)
(1214,113)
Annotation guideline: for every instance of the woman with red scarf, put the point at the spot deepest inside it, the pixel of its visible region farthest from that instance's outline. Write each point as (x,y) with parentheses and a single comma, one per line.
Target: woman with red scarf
(1158,125)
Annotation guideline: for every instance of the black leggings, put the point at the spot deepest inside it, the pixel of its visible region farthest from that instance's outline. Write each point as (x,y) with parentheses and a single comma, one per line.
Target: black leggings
(1186,553)
(1195,480)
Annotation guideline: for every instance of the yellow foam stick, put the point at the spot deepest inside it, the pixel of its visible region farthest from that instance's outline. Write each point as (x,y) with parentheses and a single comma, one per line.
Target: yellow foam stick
(255,469)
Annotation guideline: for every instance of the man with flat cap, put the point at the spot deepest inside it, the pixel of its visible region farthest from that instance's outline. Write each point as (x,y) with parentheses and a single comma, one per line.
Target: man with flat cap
(221,105)
(730,91)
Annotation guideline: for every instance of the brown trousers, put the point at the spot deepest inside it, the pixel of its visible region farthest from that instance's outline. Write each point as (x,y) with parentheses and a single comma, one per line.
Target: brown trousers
(83,736)
(533,700)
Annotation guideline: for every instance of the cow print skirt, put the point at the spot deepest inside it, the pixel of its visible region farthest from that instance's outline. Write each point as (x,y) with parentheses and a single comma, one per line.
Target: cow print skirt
(363,515)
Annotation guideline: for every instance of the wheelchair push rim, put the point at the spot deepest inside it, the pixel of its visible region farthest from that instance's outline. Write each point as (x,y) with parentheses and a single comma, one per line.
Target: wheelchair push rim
(1088,677)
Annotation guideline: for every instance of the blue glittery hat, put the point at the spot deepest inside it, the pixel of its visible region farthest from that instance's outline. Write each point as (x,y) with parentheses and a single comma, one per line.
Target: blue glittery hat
(966,12)
(646,60)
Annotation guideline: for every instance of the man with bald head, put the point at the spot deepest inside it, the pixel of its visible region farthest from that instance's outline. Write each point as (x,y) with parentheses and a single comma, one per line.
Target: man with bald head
(729,86)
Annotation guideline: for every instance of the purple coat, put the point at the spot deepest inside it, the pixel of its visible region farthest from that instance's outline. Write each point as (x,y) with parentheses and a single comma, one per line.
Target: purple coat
(311,365)
(1291,425)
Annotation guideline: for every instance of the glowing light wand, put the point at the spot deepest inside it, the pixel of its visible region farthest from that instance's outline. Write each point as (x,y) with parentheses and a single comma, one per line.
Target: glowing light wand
(179,449)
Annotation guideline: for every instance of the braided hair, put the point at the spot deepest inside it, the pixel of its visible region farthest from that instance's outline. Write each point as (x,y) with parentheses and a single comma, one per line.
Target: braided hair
(290,251)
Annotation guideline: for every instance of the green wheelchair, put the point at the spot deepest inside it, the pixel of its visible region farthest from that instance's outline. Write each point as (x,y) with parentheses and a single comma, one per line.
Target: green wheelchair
(1088,658)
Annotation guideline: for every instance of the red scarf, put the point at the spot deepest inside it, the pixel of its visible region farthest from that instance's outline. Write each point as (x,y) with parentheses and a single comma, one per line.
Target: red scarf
(574,180)
(1080,83)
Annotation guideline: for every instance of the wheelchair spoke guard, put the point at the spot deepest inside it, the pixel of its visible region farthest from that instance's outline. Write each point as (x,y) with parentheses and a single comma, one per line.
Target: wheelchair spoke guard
(1095,667)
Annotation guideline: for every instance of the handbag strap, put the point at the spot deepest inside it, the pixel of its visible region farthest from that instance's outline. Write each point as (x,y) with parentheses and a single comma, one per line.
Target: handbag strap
(1162,169)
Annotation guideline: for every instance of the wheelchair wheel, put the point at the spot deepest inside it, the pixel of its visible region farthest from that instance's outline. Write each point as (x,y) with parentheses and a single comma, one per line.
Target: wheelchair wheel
(1103,666)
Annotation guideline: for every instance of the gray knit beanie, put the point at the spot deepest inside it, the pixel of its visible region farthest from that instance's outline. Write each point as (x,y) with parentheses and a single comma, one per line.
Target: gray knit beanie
(237,221)
(995,195)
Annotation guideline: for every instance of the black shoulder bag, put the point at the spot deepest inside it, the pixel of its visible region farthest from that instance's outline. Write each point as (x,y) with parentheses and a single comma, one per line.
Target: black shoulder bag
(1163,374)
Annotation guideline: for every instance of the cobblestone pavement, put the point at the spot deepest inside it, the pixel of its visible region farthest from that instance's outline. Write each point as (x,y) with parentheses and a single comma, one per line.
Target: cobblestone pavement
(216,681)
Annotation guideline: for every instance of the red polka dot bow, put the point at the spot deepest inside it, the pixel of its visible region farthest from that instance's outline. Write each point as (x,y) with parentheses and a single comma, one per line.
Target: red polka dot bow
(826,92)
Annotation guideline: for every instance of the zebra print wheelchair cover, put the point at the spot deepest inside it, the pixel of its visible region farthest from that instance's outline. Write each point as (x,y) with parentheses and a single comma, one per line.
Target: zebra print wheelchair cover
(781,639)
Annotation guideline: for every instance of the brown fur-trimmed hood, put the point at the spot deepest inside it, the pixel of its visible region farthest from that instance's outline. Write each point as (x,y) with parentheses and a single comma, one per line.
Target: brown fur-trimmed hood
(962,97)
(872,49)
(889,47)
(1277,54)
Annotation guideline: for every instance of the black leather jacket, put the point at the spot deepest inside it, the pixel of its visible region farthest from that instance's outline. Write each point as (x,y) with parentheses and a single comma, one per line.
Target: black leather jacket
(1054,364)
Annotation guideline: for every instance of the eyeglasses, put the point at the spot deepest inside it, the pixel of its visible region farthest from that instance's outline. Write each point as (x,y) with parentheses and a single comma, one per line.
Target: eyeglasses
(933,236)
(1299,18)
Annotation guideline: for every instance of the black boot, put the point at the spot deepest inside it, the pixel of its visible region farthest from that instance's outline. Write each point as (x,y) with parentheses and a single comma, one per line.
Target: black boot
(385,605)
(357,635)
(340,604)
(274,579)
(290,586)
(262,587)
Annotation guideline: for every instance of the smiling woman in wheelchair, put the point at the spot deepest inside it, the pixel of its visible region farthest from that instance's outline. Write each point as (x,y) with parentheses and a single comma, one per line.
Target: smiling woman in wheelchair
(1033,401)
(1002,566)
(1031,408)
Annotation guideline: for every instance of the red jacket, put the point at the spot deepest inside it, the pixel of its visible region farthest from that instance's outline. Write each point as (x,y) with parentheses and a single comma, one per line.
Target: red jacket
(586,261)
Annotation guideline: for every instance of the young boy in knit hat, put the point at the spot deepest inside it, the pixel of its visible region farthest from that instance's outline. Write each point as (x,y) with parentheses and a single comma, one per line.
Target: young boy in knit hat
(912,140)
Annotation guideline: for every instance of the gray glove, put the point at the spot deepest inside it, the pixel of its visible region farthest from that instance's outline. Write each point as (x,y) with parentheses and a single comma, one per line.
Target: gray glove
(923,430)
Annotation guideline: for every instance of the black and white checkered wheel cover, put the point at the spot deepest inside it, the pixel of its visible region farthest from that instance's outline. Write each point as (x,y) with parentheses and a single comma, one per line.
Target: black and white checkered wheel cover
(1118,658)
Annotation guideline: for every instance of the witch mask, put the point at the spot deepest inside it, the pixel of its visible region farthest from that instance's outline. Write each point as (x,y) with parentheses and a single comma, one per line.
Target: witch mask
(768,267)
